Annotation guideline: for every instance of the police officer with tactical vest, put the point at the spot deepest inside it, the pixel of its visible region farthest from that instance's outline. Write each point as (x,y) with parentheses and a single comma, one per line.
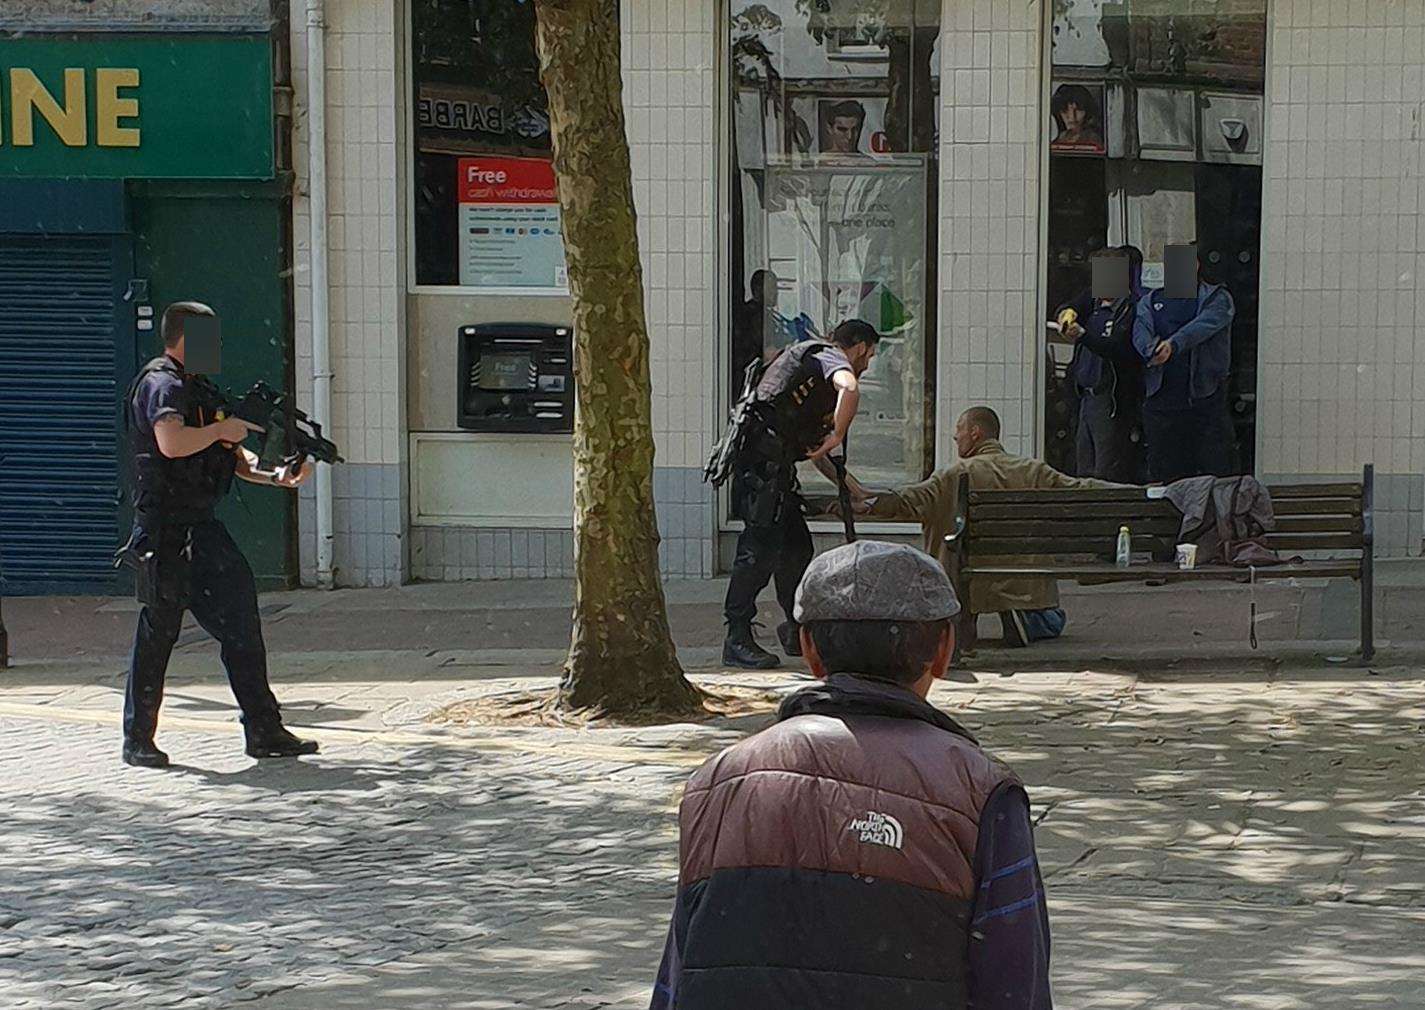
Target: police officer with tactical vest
(800,410)
(185,456)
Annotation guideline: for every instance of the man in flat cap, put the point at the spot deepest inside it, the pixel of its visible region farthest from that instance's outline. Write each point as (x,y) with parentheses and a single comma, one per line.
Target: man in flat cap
(863,851)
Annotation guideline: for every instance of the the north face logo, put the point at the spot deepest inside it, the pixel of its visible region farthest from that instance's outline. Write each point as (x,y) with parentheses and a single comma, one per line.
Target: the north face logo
(878,829)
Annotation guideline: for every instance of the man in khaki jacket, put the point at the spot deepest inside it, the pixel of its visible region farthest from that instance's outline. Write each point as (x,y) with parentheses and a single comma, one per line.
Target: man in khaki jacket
(1028,608)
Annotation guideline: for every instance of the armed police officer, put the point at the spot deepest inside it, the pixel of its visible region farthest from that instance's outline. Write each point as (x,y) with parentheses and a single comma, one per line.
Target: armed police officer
(185,457)
(801,409)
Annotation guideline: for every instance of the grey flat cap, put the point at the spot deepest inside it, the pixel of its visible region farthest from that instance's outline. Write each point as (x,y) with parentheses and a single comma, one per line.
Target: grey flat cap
(875,581)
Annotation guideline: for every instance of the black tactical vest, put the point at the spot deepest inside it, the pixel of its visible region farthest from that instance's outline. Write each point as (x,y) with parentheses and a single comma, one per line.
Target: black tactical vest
(177,491)
(797,401)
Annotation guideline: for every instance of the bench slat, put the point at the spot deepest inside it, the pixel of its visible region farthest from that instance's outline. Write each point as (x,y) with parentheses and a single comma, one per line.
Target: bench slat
(990,496)
(1163,526)
(1167,526)
(1102,547)
(1169,572)
(1316,507)
(1141,509)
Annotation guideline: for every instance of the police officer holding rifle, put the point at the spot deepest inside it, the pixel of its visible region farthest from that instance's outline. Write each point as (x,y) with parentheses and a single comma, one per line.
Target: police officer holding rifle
(186,452)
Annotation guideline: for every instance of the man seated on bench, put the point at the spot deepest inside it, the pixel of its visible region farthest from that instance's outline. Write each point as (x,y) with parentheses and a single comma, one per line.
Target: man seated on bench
(1028,607)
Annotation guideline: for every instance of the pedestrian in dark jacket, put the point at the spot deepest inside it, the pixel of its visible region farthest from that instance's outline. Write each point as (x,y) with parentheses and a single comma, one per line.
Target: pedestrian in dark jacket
(1187,345)
(1107,374)
(864,851)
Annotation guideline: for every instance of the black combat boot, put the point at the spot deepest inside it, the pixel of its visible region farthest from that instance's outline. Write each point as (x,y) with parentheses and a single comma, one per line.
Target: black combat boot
(741,650)
(144,754)
(790,632)
(274,741)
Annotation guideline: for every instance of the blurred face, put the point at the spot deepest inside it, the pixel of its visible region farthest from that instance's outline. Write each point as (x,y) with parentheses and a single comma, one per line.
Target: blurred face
(967,437)
(1073,118)
(845,135)
(768,293)
(860,357)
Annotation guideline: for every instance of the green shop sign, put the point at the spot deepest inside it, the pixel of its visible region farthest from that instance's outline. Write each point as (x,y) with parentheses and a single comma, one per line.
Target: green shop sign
(136,108)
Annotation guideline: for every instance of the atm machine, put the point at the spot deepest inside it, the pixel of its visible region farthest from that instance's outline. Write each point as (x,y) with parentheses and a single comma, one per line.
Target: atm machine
(516,378)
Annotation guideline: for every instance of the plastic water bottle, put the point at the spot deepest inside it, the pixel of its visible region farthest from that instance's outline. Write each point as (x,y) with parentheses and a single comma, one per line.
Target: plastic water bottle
(1125,547)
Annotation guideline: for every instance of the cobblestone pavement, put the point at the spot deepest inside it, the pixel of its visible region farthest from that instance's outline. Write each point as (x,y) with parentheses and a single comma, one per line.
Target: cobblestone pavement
(1209,840)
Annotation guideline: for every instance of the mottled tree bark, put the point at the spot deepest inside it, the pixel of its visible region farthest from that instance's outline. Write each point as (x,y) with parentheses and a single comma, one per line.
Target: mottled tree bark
(622,659)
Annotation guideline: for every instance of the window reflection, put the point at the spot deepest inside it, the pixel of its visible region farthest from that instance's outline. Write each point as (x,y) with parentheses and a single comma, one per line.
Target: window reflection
(1155,140)
(834,130)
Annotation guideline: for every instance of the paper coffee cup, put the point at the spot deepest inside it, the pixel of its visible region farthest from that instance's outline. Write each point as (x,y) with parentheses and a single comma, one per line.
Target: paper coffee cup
(1187,557)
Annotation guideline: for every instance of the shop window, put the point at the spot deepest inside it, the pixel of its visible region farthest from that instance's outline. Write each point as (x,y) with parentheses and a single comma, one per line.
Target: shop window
(834,115)
(484,207)
(1155,140)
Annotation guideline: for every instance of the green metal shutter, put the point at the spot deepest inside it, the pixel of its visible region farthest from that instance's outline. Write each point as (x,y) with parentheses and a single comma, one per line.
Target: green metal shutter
(59,468)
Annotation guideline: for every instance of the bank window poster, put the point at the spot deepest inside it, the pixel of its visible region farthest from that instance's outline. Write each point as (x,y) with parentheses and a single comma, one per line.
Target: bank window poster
(1076,120)
(849,241)
(510,233)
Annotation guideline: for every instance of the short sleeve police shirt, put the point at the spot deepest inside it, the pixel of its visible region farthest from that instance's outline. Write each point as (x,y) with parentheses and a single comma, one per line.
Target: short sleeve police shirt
(832,360)
(159,395)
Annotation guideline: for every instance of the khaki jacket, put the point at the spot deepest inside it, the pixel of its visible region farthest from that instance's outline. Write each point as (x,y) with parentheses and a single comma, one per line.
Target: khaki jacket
(933,504)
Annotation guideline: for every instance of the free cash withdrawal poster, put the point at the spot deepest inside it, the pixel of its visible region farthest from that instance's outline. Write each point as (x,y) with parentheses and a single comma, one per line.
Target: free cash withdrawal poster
(509,225)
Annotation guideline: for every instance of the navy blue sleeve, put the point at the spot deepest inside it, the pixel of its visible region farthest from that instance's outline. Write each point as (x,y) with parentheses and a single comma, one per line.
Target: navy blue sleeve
(666,988)
(160,395)
(1009,925)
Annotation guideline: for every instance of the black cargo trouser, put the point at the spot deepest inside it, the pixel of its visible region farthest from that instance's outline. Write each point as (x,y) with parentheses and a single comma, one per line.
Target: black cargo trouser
(200,569)
(1191,441)
(775,543)
(1105,446)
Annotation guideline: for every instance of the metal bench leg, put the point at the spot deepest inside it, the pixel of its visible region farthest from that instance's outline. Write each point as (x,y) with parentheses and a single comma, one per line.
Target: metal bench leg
(1368,565)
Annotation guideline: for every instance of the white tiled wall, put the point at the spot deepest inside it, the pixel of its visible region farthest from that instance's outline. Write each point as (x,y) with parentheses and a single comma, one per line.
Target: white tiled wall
(367,284)
(1342,378)
(669,53)
(989,215)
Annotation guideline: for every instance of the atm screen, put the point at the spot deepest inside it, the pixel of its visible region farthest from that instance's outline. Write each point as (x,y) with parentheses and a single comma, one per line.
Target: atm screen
(506,370)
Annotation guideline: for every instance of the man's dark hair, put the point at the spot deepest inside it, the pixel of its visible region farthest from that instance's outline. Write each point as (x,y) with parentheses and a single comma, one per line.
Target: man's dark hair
(847,110)
(895,651)
(853,332)
(985,419)
(173,317)
(1209,264)
(759,281)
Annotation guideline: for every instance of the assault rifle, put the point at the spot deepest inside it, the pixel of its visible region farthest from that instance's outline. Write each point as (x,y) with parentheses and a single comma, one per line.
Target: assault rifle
(288,437)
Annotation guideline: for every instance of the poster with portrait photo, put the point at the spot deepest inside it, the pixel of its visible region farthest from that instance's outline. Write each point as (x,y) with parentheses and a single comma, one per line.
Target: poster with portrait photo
(1076,120)
(851,126)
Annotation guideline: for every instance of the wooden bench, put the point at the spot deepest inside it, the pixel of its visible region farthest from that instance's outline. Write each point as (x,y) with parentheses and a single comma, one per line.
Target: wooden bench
(1074,535)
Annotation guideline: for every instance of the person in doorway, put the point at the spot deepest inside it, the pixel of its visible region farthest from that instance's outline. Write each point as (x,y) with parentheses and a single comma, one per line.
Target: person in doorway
(1107,371)
(185,458)
(864,852)
(1028,608)
(754,323)
(1184,333)
(802,409)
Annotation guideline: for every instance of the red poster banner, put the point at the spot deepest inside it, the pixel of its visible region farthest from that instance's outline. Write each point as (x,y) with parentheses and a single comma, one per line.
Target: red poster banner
(497,180)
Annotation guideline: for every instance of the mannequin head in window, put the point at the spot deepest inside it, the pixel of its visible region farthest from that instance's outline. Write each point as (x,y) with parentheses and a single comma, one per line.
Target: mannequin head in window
(1076,114)
(842,123)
